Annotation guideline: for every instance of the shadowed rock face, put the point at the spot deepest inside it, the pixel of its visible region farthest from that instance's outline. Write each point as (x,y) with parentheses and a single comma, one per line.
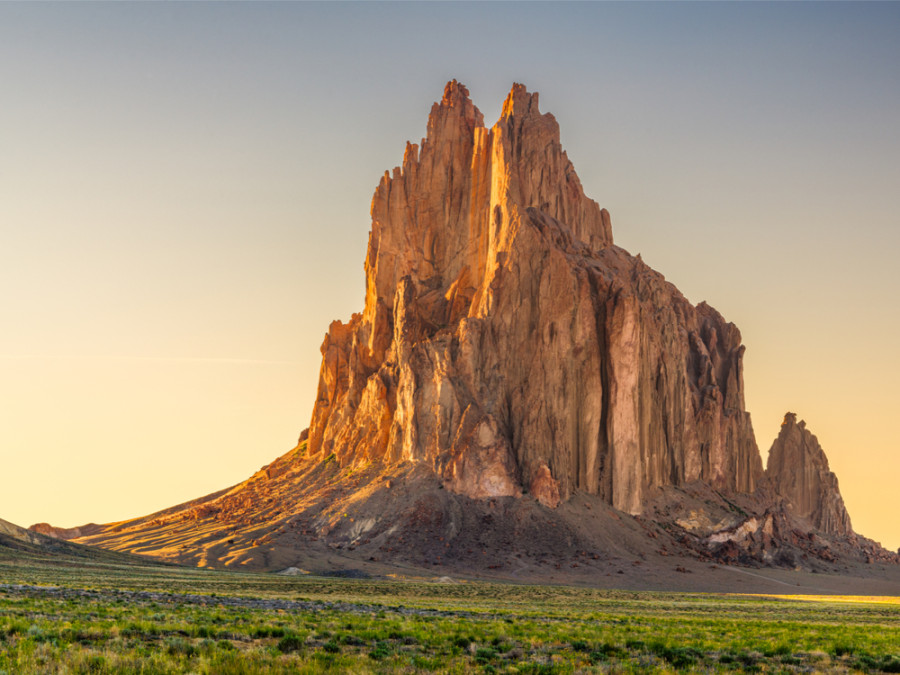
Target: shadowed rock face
(799,473)
(510,346)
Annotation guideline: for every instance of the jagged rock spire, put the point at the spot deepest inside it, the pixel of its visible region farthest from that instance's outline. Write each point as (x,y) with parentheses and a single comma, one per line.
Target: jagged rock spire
(798,470)
(506,342)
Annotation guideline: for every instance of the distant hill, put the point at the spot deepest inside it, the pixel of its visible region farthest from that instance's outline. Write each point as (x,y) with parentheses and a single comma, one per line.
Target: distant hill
(17,542)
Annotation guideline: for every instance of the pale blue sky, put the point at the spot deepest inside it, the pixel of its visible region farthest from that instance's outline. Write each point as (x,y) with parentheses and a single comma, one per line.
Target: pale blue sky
(184,194)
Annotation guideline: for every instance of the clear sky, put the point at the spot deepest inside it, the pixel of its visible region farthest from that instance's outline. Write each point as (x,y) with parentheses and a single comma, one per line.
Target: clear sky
(184,195)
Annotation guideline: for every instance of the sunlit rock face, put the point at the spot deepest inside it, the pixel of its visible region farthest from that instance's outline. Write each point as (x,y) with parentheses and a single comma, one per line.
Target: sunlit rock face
(799,473)
(508,344)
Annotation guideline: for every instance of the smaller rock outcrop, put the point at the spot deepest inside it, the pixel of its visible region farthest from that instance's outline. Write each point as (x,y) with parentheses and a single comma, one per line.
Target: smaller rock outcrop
(798,471)
(65,532)
(545,488)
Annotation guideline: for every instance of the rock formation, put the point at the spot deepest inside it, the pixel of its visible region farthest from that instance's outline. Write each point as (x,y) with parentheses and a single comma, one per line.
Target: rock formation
(518,396)
(509,345)
(65,532)
(799,473)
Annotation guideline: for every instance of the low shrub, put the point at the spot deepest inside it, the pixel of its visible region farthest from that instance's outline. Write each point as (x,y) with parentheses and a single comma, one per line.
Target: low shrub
(289,643)
(890,664)
(485,654)
(381,651)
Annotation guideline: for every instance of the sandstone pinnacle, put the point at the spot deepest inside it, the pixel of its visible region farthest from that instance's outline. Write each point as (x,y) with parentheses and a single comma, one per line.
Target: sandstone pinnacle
(799,473)
(510,346)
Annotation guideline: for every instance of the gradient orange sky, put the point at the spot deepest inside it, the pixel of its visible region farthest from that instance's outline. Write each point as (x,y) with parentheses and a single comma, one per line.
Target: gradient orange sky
(184,195)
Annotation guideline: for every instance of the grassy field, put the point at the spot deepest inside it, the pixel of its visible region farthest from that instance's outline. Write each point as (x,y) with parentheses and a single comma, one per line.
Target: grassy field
(101,616)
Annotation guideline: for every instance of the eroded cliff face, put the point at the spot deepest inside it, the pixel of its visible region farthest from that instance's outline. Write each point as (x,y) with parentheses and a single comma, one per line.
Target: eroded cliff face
(798,471)
(509,345)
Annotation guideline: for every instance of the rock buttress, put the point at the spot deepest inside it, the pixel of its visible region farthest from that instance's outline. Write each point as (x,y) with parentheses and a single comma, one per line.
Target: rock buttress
(798,471)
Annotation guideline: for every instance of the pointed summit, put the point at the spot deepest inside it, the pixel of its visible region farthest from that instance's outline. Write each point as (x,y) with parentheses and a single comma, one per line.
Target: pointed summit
(520,102)
(799,472)
(455,104)
(455,94)
(540,175)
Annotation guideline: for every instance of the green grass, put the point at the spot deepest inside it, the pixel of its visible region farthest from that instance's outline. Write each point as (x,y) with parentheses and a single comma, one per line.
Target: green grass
(124,618)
